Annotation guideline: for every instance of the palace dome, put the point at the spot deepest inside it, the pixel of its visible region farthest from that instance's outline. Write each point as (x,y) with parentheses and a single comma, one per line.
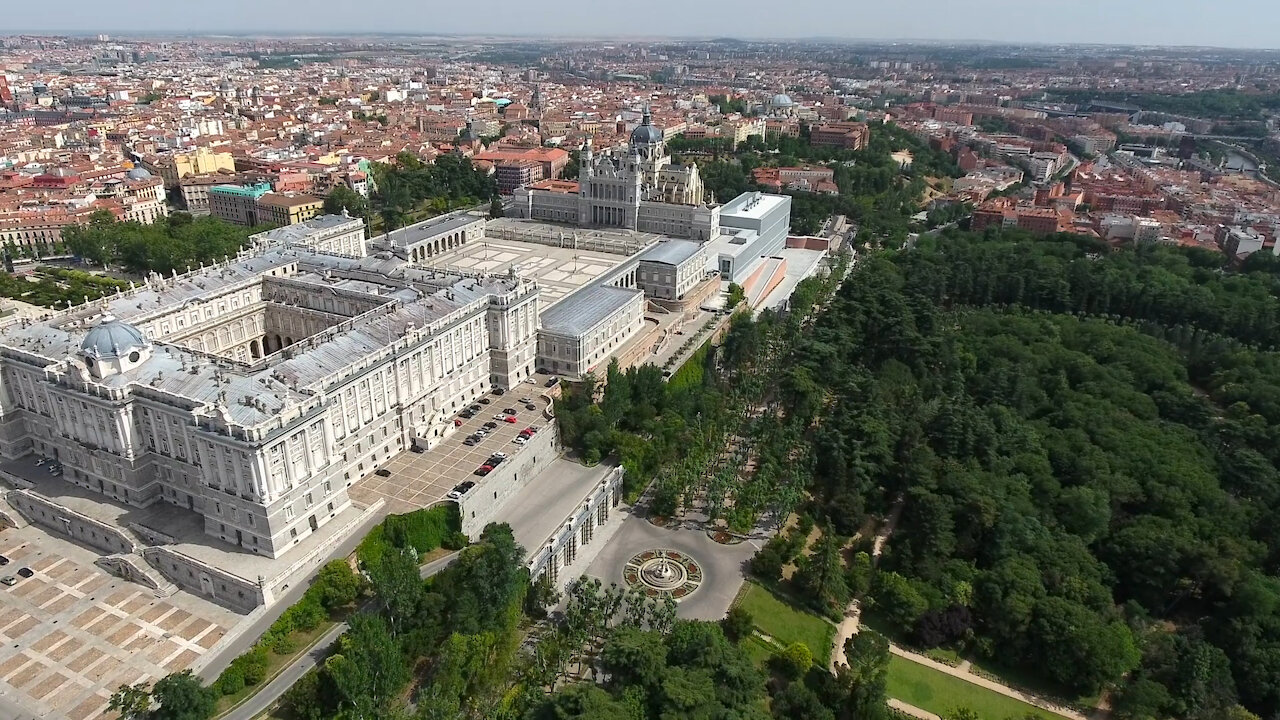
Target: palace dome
(113,339)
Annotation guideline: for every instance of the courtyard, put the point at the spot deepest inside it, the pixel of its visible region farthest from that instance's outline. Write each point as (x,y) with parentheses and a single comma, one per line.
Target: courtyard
(558,271)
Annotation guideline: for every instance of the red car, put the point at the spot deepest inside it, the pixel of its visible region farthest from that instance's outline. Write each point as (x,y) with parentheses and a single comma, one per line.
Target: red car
(510,418)
(457,422)
(484,470)
(528,432)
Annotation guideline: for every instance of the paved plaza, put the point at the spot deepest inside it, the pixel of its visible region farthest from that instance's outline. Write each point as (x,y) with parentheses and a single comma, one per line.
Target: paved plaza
(73,633)
(423,479)
(558,271)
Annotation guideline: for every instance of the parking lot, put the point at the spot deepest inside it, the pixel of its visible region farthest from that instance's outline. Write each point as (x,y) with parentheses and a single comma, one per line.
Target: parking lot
(72,633)
(423,479)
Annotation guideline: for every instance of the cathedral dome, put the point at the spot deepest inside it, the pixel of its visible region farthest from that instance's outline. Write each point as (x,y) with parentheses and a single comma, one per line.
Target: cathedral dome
(113,339)
(645,133)
(781,100)
(138,174)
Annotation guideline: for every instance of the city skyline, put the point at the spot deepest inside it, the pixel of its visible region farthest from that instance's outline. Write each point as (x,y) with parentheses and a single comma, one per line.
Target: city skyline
(1135,22)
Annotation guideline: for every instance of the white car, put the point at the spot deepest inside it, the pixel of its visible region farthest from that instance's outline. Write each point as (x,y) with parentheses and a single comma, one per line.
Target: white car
(520,440)
(500,455)
(500,416)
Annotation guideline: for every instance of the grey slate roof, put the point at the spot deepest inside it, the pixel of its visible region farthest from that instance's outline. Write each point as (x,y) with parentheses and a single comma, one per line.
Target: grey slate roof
(671,252)
(586,308)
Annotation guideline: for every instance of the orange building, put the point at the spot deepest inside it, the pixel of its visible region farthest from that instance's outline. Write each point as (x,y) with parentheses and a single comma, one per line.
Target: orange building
(848,135)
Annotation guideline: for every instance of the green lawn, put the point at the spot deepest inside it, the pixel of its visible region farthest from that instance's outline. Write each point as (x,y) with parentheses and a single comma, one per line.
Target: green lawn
(758,650)
(783,622)
(939,693)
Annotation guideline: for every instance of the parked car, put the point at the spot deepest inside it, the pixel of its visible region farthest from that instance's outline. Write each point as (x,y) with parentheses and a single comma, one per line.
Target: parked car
(10,580)
(470,441)
(382,472)
(466,414)
(491,425)
(531,429)
(26,572)
(481,434)
(4,560)
(476,407)
(510,419)
(484,470)
(41,461)
(552,381)
(457,422)
(509,411)
(499,416)
(493,462)
(520,439)
(500,455)
(460,489)
(485,401)
(530,406)
(497,392)
(525,400)
(417,449)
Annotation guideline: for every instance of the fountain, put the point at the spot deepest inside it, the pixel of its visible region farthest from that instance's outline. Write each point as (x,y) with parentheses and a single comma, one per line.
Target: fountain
(663,572)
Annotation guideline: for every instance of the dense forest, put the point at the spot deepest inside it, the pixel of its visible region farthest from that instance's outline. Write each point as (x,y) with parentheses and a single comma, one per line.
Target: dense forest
(1084,445)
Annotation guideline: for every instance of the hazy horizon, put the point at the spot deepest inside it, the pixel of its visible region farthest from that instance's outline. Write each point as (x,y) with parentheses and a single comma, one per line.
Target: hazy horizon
(1243,24)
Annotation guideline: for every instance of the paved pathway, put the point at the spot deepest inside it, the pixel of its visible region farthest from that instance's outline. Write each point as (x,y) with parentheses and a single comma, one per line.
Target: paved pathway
(991,685)
(912,710)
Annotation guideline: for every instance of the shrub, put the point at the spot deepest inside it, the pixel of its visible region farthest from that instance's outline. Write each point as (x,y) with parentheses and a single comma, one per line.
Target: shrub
(456,541)
(231,681)
(252,665)
(794,661)
(336,585)
(422,530)
(767,563)
(738,623)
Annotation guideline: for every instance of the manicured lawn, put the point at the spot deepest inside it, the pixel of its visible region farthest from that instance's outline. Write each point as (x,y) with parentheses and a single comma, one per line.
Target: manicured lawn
(786,624)
(939,693)
(758,650)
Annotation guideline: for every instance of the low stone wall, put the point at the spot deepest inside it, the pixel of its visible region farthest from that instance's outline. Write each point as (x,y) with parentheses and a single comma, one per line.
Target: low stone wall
(481,505)
(10,518)
(319,554)
(69,523)
(200,578)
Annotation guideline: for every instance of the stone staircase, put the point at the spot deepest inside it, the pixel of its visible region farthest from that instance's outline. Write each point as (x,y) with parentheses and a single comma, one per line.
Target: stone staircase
(134,568)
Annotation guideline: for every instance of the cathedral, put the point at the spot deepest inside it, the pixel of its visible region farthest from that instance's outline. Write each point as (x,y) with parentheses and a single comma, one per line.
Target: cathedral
(641,189)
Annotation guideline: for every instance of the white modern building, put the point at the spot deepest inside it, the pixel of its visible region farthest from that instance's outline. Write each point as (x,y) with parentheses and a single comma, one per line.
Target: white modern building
(753,225)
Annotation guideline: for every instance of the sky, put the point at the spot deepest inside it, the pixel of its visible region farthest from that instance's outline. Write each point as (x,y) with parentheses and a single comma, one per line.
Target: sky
(1220,23)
